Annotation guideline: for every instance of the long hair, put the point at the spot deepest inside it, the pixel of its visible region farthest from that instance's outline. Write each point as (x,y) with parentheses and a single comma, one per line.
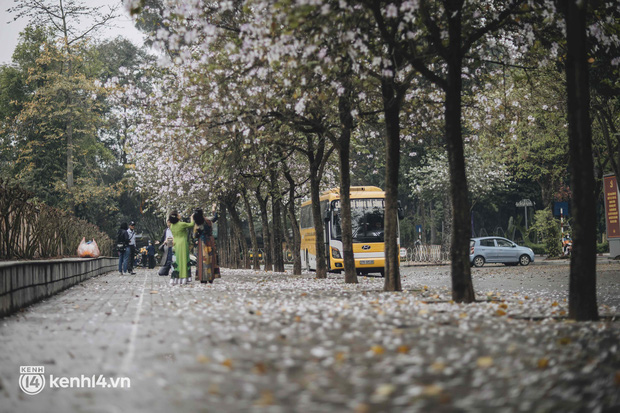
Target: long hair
(174,217)
(199,218)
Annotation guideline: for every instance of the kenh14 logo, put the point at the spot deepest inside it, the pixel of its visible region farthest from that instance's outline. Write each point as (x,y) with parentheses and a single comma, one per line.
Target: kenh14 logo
(31,379)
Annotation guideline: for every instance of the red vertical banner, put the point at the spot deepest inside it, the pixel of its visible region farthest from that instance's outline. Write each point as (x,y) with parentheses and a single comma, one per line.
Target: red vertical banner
(611,206)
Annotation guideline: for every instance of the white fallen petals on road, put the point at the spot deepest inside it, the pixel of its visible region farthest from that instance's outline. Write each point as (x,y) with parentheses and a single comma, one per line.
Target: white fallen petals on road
(277,342)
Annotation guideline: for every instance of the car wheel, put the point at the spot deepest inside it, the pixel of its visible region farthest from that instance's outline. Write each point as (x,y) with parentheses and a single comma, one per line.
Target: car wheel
(478,261)
(524,260)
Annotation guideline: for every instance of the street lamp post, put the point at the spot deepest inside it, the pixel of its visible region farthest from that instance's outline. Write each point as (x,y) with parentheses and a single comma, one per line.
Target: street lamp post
(524,203)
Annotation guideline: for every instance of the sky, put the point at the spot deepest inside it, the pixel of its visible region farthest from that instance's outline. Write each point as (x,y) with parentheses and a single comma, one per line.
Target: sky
(9,32)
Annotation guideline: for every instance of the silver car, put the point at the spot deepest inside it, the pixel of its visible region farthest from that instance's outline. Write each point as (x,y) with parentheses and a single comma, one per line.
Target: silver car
(498,250)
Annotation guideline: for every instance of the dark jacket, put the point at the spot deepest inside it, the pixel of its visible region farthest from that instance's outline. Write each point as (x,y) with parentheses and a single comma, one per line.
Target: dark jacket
(122,237)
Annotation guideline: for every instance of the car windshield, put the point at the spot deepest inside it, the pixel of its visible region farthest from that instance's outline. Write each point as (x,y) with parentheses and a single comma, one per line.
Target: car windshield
(366,220)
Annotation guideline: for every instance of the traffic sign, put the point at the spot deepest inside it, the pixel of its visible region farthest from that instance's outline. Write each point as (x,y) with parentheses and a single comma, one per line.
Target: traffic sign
(524,203)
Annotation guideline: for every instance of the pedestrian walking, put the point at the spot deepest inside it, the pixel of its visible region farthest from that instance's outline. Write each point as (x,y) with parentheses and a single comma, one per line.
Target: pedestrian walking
(150,253)
(206,261)
(122,247)
(166,249)
(180,232)
(132,246)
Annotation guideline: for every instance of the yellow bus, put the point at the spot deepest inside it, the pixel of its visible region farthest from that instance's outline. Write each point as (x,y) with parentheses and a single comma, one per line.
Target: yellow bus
(367,221)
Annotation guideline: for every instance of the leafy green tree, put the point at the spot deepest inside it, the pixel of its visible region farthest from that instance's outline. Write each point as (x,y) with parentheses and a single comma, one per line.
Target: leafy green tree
(64,18)
(547,228)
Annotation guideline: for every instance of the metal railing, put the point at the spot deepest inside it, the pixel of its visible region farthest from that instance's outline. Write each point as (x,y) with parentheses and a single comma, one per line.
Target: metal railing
(424,254)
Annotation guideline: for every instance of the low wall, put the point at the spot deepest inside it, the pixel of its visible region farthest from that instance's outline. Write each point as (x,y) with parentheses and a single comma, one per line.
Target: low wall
(25,282)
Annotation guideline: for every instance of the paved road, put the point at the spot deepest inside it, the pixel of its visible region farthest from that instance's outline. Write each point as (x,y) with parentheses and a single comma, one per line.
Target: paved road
(282,343)
(549,281)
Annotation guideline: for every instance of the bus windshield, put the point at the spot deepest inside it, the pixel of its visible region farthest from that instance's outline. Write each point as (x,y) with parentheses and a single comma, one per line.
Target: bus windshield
(366,220)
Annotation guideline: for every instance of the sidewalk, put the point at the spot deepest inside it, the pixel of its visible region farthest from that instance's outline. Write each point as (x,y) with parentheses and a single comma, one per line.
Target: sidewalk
(600,259)
(268,342)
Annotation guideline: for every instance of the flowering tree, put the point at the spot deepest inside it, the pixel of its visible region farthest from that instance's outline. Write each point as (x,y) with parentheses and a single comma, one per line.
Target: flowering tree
(295,74)
(484,176)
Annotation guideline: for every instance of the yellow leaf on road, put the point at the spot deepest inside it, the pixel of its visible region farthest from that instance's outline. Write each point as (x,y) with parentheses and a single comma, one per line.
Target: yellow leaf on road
(362,408)
(564,341)
(377,350)
(385,390)
(201,358)
(432,390)
(543,363)
(260,368)
(266,399)
(228,363)
(500,313)
(214,389)
(438,366)
(403,349)
(484,362)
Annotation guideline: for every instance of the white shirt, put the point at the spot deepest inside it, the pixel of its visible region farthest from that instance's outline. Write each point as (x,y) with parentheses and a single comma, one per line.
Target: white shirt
(132,237)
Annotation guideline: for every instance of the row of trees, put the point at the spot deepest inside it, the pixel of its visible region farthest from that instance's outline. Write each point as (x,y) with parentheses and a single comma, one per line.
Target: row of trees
(260,103)
(256,89)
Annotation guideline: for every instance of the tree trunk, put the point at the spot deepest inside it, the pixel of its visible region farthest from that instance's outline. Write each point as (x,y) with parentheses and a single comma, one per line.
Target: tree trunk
(69,130)
(344,147)
(222,237)
(296,246)
(462,286)
(433,224)
(241,247)
(285,232)
(248,211)
(582,304)
(319,228)
(392,99)
(264,216)
(296,241)
(446,230)
(276,219)
(315,180)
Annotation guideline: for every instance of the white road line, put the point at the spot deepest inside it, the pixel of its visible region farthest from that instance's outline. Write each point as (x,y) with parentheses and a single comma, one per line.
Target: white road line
(134,331)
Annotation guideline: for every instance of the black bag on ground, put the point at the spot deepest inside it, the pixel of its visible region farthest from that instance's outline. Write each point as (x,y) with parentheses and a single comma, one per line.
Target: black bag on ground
(164,270)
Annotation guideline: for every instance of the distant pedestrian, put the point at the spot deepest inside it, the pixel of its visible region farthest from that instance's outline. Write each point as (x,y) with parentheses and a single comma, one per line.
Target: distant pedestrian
(143,256)
(122,247)
(150,253)
(132,246)
(206,265)
(166,249)
(180,232)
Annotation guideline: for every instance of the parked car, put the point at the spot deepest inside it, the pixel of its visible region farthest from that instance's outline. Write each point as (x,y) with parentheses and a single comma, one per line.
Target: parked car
(498,250)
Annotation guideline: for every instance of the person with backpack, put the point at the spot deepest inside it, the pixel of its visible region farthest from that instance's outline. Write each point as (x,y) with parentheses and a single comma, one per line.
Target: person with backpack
(131,232)
(122,246)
